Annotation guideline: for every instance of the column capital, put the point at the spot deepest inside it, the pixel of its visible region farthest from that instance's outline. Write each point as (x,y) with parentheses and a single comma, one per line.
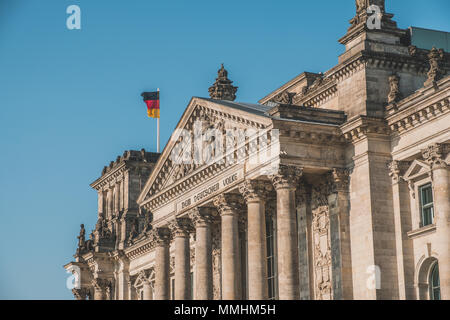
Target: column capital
(228,203)
(255,190)
(160,236)
(180,227)
(397,169)
(287,177)
(338,180)
(100,284)
(80,294)
(144,277)
(435,155)
(201,216)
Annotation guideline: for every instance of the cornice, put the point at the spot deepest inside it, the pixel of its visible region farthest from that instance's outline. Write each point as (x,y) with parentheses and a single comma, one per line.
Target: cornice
(421,107)
(109,177)
(362,126)
(140,248)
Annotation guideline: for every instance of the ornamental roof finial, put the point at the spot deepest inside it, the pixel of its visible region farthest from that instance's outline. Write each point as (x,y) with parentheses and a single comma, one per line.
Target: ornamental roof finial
(223,89)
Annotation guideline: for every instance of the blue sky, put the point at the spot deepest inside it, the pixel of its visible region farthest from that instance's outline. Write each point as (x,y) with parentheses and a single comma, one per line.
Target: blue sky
(70,99)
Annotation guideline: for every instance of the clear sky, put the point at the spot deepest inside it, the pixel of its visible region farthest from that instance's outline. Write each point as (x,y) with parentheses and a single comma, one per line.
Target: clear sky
(70,99)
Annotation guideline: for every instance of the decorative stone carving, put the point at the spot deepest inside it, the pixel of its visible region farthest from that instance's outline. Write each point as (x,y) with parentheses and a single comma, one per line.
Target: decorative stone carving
(192,259)
(338,180)
(223,89)
(255,190)
(227,203)
(286,177)
(216,261)
(321,243)
(362,5)
(284,97)
(396,168)
(80,294)
(134,231)
(172,265)
(412,51)
(160,236)
(435,155)
(180,227)
(394,93)
(201,215)
(436,72)
(102,285)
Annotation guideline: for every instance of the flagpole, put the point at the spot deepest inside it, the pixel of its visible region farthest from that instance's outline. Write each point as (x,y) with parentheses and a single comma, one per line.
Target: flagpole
(157,128)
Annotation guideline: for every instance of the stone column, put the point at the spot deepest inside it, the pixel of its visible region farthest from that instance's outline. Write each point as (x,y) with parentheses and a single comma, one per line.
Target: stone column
(202,220)
(147,289)
(117,198)
(255,193)
(305,258)
(123,276)
(161,237)
(100,201)
(100,288)
(341,262)
(229,206)
(403,224)
(285,182)
(435,155)
(131,290)
(180,229)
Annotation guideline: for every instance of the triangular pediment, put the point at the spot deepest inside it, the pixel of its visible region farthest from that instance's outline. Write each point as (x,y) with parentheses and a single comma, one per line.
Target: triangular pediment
(417,169)
(174,164)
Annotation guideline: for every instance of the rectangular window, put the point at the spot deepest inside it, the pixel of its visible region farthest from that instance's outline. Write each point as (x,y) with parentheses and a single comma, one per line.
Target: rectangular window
(270,242)
(426,204)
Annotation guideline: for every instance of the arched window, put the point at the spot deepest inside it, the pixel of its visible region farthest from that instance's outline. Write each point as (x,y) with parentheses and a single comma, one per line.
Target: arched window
(435,288)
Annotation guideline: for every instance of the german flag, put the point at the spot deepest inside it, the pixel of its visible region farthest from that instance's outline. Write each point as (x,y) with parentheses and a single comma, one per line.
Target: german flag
(152,101)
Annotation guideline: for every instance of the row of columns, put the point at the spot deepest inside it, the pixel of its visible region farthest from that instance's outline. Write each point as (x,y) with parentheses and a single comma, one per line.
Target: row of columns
(229,206)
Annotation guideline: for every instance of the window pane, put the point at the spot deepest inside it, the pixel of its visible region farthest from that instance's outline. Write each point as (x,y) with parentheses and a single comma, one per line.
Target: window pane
(426,204)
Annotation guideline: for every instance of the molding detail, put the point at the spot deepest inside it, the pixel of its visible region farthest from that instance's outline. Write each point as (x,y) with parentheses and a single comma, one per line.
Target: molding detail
(180,227)
(287,177)
(435,155)
(202,216)
(255,190)
(228,203)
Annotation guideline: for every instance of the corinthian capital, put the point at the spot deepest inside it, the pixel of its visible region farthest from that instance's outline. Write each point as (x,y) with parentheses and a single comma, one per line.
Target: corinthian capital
(228,203)
(396,169)
(435,155)
(180,227)
(80,294)
(100,284)
(286,177)
(201,216)
(255,190)
(160,236)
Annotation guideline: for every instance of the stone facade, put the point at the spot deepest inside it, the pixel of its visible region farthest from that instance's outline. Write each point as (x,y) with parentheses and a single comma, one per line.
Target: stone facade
(338,189)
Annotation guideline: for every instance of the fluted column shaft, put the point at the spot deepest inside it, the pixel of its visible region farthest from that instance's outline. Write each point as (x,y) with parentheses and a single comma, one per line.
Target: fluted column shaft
(288,273)
(162,263)
(180,229)
(254,193)
(231,264)
(201,218)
